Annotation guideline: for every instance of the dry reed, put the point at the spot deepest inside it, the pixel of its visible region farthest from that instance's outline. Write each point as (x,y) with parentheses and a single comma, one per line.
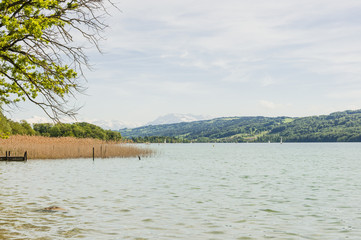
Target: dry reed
(67,147)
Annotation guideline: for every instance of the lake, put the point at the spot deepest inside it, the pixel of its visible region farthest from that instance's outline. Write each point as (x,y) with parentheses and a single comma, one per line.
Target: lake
(189,191)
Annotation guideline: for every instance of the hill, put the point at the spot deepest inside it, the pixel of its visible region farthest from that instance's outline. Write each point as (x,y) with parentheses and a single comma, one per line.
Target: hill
(335,127)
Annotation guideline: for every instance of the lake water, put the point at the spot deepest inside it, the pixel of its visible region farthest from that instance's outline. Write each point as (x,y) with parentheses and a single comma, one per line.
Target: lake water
(189,191)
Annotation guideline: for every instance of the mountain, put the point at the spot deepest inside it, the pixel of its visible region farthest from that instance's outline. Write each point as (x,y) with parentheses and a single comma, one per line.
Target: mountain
(335,127)
(113,124)
(105,124)
(177,118)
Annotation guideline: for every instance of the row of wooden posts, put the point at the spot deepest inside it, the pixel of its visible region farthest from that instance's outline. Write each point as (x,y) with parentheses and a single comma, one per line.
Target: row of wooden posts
(8,157)
(101,152)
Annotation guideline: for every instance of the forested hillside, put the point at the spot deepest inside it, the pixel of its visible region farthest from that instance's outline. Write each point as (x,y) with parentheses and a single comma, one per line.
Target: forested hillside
(336,127)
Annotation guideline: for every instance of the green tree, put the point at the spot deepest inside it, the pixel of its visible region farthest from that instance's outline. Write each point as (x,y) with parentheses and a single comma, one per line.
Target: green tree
(43,128)
(21,128)
(79,130)
(27,127)
(39,59)
(5,128)
(55,131)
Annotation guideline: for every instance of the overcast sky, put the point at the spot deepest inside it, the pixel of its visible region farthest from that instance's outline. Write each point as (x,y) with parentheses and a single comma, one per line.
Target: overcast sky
(224,58)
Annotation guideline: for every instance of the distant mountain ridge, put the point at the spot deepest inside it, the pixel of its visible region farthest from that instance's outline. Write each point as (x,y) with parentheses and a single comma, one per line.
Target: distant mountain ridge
(105,124)
(117,124)
(335,127)
(177,118)
(114,124)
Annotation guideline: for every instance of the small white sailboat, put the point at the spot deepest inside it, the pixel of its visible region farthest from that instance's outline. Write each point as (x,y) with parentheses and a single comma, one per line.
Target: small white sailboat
(281,140)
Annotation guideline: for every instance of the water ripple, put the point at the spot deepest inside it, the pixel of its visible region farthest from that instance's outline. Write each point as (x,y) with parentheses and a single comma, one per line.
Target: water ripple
(189,191)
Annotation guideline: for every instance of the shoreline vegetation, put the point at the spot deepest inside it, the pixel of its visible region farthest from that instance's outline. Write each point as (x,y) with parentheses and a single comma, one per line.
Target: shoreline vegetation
(40,147)
(64,141)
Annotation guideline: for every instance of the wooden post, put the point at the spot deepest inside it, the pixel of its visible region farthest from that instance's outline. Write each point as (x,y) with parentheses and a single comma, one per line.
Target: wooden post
(93,154)
(6,155)
(26,156)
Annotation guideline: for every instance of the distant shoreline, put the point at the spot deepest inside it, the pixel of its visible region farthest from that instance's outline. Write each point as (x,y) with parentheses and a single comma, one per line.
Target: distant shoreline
(336,127)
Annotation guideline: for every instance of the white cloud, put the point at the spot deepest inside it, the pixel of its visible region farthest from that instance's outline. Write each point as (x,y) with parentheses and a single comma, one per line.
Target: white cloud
(348,94)
(272,106)
(36,119)
(286,46)
(267,81)
(237,76)
(267,104)
(235,29)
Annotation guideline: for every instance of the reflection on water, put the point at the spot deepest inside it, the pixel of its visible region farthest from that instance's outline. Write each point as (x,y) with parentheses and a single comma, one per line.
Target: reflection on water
(189,191)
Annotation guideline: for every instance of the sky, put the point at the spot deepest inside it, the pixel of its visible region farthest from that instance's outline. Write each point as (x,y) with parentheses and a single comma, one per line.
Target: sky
(222,58)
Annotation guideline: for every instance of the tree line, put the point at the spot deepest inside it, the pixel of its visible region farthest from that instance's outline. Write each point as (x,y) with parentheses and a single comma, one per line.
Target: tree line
(78,130)
(158,139)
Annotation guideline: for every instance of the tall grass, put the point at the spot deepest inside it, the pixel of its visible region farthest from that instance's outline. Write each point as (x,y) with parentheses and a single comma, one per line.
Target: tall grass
(67,147)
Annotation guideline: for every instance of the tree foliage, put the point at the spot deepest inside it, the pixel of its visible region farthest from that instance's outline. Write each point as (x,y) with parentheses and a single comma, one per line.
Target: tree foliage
(9,127)
(5,129)
(40,61)
(78,130)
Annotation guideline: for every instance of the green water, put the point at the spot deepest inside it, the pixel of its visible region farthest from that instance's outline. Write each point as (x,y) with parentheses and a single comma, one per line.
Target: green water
(189,191)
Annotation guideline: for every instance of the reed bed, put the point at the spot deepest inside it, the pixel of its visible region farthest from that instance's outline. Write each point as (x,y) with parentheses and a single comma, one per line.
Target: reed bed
(39,147)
